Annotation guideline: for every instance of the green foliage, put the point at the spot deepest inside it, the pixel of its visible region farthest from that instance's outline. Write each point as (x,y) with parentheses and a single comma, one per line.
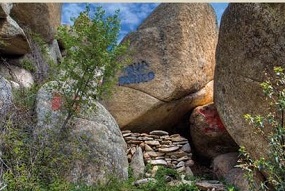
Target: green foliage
(92,57)
(28,65)
(274,164)
(162,172)
(161,182)
(37,161)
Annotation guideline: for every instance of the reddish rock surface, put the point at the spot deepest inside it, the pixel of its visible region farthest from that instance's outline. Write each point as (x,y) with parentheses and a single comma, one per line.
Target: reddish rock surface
(212,119)
(56,102)
(208,133)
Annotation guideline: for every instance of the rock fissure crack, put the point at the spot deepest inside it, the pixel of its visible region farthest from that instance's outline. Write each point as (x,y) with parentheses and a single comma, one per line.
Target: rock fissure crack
(173,100)
(249,78)
(144,93)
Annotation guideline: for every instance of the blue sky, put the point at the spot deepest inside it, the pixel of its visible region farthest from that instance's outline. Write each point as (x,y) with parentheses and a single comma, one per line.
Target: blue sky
(131,14)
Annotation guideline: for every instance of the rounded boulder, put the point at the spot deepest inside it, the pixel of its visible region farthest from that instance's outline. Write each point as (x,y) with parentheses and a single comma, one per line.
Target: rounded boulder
(171,70)
(251,42)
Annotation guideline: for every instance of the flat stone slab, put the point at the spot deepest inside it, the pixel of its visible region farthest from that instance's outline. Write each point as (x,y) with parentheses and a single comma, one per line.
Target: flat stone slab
(158,132)
(127,134)
(155,143)
(155,154)
(178,139)
(158,162)
(126,131)
(147,148)
(167,150)
(210,185)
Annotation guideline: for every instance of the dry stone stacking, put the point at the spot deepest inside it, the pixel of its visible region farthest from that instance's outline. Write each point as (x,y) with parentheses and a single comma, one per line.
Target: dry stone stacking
(171,72)
(160,149)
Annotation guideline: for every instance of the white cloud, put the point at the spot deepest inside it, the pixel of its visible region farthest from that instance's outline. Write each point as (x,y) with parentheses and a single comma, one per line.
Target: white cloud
(70,10)
(131,14)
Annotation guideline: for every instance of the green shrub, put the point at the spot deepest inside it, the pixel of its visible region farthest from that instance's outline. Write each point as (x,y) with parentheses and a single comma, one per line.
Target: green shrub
(40,161)
(161,183)
(92,59)
(273,165)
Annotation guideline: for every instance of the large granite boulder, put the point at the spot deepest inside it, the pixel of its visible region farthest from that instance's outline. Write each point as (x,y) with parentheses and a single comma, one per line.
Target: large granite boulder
(13,40)
(172,67)
(251,41)
(106,146)
(41,18)
(208,134)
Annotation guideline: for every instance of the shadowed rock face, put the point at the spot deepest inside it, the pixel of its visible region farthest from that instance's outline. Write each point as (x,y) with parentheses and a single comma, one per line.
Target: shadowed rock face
(13,39)
(251,41)
(173,59)
(208,133)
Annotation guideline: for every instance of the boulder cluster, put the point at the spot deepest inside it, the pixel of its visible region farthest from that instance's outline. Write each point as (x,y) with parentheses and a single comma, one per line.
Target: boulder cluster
(160,148)
(185,71)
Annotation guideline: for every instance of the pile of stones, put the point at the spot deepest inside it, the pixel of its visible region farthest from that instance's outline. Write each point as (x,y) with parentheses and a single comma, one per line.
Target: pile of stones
(158,148)
(161,149)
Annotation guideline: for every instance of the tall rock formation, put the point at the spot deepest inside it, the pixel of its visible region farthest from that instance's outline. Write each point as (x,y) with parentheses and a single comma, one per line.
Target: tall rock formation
(251,41)
(172,67)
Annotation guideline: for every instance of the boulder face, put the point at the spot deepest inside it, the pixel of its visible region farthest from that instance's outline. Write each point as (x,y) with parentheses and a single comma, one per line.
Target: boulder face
(107,148)
(18,77)
(41,18)
(13,39)
(251,41)
(5,96)
(208,134)
(223,163)
(172,58)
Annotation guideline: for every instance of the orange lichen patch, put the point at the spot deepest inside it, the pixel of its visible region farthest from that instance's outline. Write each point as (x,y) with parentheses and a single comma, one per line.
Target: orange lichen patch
(56,102)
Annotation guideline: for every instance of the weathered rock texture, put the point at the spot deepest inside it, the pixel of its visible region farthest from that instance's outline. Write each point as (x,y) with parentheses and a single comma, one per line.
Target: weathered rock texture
(5,9)
(223,163)
(18,77)
(5,96)
(41,18)
(28,30)
(172,67)
(12,38)
(236,176)
(161,149)
(251,40)
(105,142)
(209,136)
(224,167)
(137,163)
